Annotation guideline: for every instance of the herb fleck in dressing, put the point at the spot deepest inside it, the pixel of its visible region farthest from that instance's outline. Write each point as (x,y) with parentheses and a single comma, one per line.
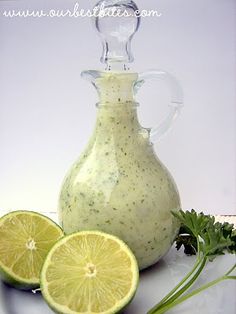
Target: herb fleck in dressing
(118,185)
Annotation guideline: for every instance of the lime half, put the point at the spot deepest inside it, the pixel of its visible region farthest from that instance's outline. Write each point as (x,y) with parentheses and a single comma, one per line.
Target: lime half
(25,240)
(89,272)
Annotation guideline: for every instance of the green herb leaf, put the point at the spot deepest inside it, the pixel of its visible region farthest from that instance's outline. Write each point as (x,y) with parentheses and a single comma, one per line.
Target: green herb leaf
(214,237)
(193,222)
(188,241)
(215,241)
(199,234)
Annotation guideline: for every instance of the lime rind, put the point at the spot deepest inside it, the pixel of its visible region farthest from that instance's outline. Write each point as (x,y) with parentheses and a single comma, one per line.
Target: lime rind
(6,273)
(60,309)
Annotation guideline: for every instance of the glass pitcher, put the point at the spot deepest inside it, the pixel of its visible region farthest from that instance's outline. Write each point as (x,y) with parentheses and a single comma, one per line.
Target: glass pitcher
(118,185)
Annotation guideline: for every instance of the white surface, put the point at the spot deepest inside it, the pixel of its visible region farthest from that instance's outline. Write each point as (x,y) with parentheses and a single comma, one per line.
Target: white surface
(155,282)
(47,112)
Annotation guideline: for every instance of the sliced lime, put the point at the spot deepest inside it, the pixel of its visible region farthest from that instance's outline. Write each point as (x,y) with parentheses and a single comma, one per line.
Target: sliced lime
(89,272)
(25,239)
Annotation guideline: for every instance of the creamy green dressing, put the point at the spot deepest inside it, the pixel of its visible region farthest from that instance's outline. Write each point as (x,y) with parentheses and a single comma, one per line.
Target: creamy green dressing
(118,185)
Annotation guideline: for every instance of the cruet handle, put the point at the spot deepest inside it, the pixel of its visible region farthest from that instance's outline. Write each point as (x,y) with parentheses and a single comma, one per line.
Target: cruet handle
(176,100)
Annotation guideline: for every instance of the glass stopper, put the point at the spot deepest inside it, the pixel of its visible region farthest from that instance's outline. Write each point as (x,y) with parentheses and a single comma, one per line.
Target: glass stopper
(116,23)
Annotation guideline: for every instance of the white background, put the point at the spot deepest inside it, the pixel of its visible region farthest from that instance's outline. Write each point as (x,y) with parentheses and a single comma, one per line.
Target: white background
(47,112)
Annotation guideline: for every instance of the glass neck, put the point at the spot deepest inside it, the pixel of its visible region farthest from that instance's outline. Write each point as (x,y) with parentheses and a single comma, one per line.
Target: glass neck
(117,118)
(117,109)
(116,89)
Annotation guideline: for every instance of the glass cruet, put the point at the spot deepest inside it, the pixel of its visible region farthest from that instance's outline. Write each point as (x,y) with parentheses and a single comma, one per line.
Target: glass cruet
(118,185)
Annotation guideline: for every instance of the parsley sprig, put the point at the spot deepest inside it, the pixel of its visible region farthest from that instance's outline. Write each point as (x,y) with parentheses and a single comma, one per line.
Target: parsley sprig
(200,235)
